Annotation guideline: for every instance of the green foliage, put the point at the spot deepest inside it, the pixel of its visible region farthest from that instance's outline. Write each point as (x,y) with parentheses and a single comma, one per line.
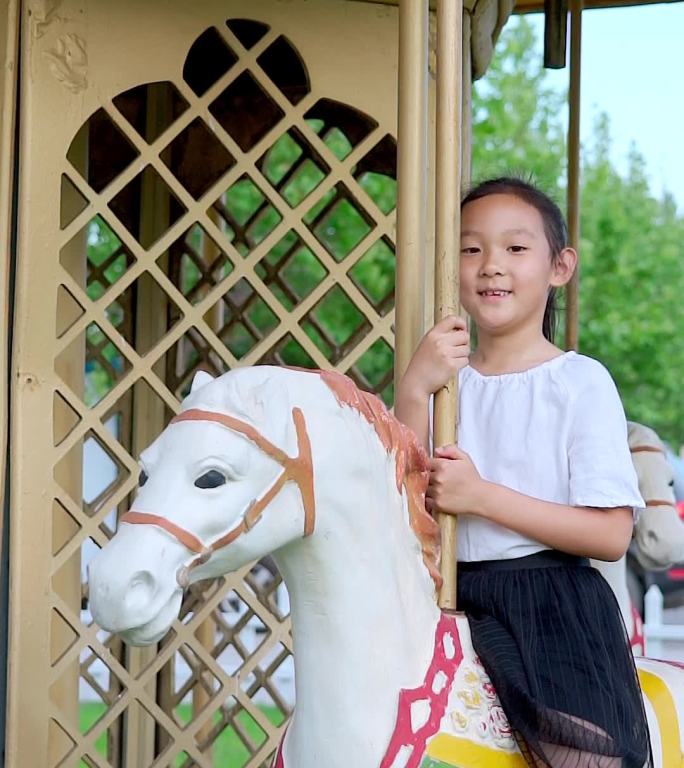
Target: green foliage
(632,291)
(517,117)
(337,220)
(631,254)
(228,749)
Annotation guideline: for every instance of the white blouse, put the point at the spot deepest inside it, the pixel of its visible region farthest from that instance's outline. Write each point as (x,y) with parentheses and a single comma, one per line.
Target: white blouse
(555,432)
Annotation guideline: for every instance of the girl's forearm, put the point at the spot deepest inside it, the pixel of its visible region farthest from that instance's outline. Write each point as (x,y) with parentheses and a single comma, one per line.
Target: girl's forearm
(412,408)
(603,534)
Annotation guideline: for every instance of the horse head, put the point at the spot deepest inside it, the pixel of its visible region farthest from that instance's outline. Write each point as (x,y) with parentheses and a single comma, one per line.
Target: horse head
(659,533)
(220,467)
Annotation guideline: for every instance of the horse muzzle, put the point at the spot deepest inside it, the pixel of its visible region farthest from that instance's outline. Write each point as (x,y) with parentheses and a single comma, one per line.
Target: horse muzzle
(132,588)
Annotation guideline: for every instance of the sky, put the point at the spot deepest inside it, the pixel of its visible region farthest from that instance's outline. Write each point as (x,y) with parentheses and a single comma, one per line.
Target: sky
(633,69)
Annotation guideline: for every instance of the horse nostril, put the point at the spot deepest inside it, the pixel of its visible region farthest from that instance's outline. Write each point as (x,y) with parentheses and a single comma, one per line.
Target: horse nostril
(653,537)
(141,589)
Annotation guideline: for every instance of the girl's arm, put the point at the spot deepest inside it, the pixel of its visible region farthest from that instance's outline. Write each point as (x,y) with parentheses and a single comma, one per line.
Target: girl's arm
(603,534)
(602,487)
(412,407)
(457,488)
(442,352)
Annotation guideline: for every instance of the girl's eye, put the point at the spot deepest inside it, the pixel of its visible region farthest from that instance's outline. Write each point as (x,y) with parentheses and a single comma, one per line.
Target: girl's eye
(142,478)
(211,479)
(517,248)
(469,250)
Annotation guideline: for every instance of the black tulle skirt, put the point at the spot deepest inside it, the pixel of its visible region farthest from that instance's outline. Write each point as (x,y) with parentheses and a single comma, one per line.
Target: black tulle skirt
(549,632)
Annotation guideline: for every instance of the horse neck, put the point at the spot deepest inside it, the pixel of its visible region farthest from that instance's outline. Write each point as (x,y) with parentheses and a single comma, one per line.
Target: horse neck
(362,602)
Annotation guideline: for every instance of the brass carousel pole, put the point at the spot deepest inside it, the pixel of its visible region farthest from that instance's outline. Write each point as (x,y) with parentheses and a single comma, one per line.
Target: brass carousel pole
(447,242)
(412,179)
(572,289)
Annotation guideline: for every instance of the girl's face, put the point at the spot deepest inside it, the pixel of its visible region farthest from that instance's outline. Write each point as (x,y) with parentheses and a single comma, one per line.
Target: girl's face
(506,265)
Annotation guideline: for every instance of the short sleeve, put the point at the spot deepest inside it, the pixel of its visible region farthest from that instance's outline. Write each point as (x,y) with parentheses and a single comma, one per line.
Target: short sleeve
(600,464)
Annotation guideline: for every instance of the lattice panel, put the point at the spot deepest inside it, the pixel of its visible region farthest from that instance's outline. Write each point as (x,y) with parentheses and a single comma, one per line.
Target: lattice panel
(229,217)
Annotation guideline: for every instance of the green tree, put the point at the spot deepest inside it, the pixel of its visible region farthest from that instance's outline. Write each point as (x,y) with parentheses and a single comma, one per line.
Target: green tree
(517,117)
(632,288)
(632,244)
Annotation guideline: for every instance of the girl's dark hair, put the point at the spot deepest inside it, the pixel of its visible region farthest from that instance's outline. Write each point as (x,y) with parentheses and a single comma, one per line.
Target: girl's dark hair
(554,228)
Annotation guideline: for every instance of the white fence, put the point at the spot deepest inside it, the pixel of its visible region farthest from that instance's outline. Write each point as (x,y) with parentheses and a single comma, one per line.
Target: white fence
(663,641)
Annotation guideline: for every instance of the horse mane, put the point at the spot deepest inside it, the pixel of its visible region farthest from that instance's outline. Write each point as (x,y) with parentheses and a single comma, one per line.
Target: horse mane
(411,460)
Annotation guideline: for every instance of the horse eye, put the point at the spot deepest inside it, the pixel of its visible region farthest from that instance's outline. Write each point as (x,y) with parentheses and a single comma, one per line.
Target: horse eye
(142,478)
(671,483)
(211,479)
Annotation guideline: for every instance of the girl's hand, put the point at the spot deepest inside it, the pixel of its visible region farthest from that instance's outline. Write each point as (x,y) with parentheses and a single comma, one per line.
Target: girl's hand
(455,484)
(441,354)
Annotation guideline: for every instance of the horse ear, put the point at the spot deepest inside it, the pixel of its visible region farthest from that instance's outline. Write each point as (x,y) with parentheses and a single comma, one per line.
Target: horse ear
(264,401)
(200,379)
(266,398)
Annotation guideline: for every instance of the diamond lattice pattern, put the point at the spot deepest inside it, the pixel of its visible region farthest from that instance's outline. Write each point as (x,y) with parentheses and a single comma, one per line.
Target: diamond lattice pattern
(290,261)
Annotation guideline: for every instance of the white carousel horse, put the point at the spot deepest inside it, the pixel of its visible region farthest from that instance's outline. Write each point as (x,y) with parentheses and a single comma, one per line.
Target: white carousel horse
(309,468)
(659,532)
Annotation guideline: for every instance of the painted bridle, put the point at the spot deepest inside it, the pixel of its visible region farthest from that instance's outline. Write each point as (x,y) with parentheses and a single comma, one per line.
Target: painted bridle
(298,469)
(651,449)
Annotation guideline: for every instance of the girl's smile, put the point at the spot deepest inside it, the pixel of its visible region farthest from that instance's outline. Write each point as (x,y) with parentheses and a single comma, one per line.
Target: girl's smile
(494,294)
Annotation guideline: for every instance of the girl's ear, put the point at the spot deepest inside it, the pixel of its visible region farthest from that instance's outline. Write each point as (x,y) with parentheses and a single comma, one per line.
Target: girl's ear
(563,267)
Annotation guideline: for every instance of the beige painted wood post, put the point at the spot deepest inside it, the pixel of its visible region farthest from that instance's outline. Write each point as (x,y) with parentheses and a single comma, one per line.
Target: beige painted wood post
(148,421)
(447,242)
(412,192)
(206,632)
(572,290)
(9,45)
(69,474)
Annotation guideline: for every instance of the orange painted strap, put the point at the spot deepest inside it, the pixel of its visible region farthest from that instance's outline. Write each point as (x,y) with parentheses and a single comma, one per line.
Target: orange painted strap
(658,503)
(304,471)
(197,414)
(646,449)
(251,517)
(186,538)
(299,468)
(222,542)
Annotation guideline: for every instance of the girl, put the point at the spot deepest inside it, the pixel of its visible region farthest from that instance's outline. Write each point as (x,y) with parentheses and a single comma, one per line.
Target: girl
(543,480)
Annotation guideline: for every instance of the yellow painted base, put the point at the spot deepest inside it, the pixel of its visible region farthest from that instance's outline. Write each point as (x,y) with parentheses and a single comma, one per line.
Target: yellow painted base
(661,699)
(465,754)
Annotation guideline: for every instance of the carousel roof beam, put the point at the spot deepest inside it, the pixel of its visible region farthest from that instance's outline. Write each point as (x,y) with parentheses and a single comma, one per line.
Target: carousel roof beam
(536,6)
(467,4)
